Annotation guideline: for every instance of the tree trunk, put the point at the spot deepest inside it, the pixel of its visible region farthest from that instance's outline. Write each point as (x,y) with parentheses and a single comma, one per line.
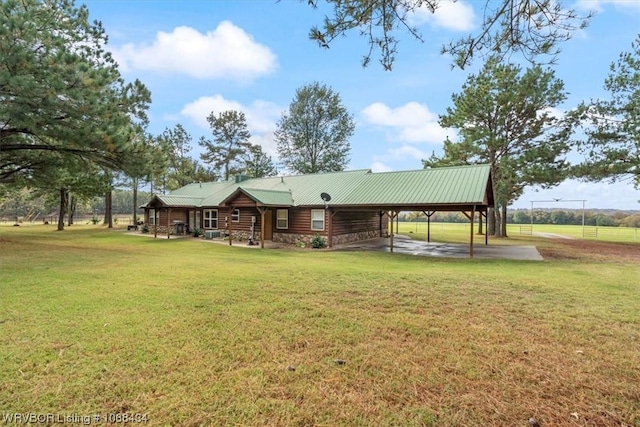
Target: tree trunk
(480,223)
(108,215)
(491,222)
(135,201)
(64,195)
(73,203)
(498,223)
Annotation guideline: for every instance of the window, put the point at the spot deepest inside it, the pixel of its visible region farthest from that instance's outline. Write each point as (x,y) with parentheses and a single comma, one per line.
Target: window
(210,218)
(152,217)
(317,219)
(194,220)
(235,215)
(282,219)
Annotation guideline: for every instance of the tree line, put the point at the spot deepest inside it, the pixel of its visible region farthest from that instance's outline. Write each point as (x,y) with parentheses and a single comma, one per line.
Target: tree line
(71,128)
(541,216)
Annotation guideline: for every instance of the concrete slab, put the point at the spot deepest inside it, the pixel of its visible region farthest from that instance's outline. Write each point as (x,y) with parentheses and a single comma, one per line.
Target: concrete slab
(406,245)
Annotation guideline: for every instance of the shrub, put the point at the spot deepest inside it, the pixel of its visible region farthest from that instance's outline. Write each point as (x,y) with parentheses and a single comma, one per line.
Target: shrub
(197,232)
(318,242)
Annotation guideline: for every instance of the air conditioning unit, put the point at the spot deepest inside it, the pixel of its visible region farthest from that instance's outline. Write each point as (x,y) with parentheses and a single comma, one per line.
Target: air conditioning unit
(211,234)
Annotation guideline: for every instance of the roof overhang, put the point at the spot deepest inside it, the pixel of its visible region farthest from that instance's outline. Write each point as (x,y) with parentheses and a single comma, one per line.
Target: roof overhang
(262,198)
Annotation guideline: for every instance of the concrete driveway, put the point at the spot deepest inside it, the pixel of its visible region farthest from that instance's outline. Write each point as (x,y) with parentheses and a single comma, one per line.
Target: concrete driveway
(406,245)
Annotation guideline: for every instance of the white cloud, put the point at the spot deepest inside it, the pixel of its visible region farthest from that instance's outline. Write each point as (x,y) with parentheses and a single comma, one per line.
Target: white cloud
(598,5)
(452,15)
(227,52)
(407,152)
(261,117)
(379,167)
(412,122)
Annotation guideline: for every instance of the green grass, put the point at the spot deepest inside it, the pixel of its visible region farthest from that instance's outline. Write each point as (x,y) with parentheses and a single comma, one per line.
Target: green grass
(195,333)
(459,232)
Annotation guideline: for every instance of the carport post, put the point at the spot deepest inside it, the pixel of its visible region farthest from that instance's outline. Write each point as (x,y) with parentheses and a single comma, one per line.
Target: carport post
(473,215)
(428,214)
(392,215)
(486,231)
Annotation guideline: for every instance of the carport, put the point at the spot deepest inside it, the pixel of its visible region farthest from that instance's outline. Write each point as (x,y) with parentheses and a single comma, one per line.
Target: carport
(467,189)
(409,246)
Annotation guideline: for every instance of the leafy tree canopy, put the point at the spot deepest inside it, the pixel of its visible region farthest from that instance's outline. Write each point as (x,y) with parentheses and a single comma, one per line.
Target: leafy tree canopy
(531,27)
(230,142)
(60,92)
(314,135)
(258,164)
(612,126)
(504,118)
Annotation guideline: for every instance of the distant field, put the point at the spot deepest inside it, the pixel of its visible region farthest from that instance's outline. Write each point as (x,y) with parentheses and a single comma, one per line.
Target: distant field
(188,332)
(455,232)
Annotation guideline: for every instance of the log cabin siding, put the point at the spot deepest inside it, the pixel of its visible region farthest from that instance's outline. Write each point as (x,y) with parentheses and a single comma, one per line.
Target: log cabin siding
(300,222)
(242,200)
(355,222)
(245,218)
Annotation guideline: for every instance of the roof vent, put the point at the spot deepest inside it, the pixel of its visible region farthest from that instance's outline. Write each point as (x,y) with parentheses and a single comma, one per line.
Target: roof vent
(241,177)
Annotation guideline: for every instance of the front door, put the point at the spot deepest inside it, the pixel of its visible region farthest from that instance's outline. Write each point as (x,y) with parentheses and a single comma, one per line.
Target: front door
(268,225)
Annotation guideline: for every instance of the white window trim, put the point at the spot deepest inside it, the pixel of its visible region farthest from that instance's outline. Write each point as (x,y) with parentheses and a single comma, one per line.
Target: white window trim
(312,220)
(208,221)
(152,217)
(286,219)
(233,214)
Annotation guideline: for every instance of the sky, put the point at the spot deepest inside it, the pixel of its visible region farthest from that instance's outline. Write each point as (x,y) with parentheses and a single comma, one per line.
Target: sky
(199,57)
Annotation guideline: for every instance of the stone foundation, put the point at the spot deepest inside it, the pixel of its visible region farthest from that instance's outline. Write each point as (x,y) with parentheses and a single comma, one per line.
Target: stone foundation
(355,237)
(241,235)
(340,239)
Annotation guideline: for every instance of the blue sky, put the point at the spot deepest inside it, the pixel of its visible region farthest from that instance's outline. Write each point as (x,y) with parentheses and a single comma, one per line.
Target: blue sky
(251,55)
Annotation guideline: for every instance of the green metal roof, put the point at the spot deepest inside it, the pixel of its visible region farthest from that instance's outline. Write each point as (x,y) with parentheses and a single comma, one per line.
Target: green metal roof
(438,186)
(179,200)
(450,185)
(269,197)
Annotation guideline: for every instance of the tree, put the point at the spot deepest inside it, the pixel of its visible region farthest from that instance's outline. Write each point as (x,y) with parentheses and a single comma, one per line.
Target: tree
(504,119)
(61,92)
(612,126)
(68,179)
(314,135)
(230,142)
(180,169)
(531,27)
(258,164)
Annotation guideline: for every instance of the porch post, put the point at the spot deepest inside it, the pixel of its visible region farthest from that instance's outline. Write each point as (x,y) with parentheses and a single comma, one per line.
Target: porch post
(262,212)
(169,223)
(230,224)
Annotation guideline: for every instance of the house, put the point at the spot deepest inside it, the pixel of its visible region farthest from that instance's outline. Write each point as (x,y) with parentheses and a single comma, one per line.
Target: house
(340,206)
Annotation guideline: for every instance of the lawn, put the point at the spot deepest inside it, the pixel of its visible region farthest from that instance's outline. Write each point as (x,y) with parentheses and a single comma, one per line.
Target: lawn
(459,232)
(187,332)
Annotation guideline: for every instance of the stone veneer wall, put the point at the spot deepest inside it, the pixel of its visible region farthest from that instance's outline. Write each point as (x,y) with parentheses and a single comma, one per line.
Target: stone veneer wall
(239,235)
(337,240)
